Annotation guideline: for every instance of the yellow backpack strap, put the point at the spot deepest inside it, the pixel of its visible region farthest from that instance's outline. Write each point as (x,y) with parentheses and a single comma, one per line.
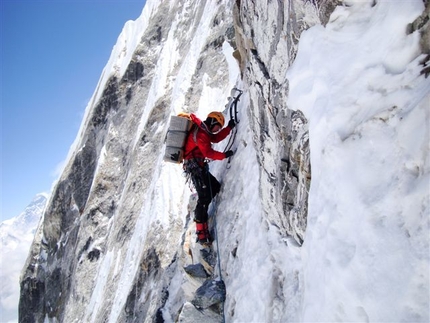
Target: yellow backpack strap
(184,115)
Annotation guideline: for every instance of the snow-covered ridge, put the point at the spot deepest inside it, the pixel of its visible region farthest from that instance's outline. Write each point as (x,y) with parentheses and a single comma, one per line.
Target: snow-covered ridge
(26,220)
(117,63)
(123,50)
(16,236)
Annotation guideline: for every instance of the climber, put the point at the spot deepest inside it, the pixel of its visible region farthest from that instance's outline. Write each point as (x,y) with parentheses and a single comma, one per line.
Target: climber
(198,147)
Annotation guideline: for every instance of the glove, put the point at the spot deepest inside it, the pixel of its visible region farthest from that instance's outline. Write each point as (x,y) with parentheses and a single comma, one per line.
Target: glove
(232,123)
(229,153)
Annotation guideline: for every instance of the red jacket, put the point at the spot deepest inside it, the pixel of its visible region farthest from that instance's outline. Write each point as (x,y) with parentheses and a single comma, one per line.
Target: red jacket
(199,142)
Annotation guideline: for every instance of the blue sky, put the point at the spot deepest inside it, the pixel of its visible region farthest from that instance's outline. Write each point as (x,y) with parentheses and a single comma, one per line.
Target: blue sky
(52,55)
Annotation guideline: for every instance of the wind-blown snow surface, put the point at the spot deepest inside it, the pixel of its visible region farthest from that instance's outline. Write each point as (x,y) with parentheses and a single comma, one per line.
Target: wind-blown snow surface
(366,251)
(16,236)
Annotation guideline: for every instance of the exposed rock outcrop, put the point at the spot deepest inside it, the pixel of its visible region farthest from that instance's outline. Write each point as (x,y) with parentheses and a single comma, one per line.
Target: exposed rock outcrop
(267,38)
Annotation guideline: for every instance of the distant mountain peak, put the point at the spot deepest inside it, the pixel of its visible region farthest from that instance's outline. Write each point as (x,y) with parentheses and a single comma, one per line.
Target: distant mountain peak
(32,213)
(16,236)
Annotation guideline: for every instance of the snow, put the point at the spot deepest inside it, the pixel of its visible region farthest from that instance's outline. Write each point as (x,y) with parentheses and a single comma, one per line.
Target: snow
(366,251)
(185,74)
(259,269)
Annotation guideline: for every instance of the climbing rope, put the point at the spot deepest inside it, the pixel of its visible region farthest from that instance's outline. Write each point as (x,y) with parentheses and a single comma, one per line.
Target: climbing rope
(217,246)
(233,115)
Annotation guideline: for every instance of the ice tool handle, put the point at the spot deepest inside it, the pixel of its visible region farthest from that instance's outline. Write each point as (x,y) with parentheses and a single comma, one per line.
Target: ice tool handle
(235,95)
(232,105)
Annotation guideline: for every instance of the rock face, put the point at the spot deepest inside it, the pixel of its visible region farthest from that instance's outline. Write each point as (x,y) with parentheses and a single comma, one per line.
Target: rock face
(118,230)
(110,242)
(267,38)
(212,292)
(422,24)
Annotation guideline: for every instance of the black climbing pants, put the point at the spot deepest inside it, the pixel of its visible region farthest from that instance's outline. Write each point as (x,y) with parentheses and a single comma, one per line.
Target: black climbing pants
(207,186)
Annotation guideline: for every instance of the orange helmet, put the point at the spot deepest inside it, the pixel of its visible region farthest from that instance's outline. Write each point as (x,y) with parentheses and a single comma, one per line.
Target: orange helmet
(218,116)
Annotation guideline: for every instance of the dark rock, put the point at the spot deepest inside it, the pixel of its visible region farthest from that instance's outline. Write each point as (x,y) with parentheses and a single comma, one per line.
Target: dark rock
(31,304)
(134,72)
(94,255)
(210,293)
(196,270)
(109,102)
(208,257)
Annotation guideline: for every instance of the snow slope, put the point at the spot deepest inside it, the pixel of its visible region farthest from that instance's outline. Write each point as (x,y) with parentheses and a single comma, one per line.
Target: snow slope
(366,252)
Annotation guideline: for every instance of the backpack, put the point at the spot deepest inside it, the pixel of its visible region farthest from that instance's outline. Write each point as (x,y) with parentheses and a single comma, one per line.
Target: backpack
(179,128)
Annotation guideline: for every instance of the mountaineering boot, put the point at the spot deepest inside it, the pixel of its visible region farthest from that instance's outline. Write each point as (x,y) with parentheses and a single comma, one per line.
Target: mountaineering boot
(203,236)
